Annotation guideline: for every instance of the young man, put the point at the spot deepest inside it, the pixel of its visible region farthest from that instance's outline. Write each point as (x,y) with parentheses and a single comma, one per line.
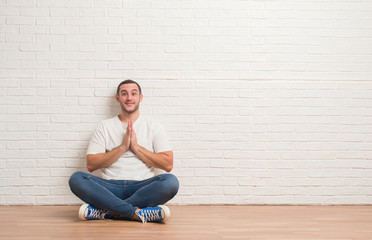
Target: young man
(128,150)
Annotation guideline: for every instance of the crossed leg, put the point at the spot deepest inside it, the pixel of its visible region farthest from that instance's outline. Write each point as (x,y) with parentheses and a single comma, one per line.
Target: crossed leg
(122,197)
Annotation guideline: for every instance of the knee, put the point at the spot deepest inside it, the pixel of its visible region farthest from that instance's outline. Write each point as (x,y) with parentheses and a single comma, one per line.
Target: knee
(172,183)
(75,180)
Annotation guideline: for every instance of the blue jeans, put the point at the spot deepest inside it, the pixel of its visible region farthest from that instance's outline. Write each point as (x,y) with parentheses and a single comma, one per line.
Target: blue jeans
(123,197)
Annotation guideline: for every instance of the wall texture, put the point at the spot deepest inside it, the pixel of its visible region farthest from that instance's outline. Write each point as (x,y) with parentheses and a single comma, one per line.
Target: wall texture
(265,101)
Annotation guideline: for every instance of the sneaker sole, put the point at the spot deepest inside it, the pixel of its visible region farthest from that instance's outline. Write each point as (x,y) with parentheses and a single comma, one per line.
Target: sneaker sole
(166,212)
(82,211)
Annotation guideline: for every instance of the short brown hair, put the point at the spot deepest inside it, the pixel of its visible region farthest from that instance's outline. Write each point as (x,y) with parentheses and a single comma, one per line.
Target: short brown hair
(127,82)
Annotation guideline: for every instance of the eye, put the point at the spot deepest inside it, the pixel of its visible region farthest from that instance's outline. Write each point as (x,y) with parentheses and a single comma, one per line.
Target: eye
(124,94)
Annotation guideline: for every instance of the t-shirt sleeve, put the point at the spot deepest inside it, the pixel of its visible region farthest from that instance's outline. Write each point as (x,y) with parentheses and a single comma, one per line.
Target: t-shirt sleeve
(97,142)
(161,141)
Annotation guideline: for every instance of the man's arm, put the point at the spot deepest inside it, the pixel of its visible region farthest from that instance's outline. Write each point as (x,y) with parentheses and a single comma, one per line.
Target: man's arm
(102,160)
(162,160)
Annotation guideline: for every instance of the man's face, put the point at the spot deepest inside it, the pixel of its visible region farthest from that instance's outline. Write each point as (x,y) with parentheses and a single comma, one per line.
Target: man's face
(129,97)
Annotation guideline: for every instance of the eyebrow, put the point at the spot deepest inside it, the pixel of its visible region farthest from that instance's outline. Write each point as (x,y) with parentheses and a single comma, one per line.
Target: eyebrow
(132,90)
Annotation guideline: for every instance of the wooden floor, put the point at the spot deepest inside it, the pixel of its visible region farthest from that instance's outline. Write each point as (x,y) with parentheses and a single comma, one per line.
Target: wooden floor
(194,222)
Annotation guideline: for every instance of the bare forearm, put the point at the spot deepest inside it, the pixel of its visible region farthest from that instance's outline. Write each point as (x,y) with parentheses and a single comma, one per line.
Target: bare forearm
(163,160)
(102,160)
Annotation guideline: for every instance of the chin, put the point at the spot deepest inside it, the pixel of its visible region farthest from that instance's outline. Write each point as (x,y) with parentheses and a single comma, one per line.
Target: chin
(130,110)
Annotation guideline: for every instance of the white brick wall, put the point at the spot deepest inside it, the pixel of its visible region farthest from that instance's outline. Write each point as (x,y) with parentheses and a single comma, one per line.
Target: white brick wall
(265,102)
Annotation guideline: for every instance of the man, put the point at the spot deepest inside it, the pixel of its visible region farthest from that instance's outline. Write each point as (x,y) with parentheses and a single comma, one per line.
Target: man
(128,150)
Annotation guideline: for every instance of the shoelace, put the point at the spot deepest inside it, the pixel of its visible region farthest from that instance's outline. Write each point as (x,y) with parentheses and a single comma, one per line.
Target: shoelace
(149,215)
(96,213)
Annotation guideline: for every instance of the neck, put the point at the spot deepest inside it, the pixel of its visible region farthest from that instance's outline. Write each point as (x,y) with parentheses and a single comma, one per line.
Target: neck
(126,117)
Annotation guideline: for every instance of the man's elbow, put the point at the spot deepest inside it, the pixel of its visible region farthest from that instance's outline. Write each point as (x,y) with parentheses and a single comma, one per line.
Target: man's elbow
(169,167)
(90,166)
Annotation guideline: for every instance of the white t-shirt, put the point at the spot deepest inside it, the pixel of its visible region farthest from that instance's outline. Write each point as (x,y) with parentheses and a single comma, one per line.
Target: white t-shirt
(109,135)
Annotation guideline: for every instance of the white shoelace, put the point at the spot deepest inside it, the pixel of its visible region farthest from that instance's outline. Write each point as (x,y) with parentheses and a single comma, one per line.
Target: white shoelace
(149,215)
(96,213)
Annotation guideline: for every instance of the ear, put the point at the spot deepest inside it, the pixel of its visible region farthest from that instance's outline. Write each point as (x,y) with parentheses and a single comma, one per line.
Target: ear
(141,97)
(117,98)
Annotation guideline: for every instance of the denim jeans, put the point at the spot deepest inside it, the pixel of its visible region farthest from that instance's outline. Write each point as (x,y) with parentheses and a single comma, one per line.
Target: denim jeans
(123,197)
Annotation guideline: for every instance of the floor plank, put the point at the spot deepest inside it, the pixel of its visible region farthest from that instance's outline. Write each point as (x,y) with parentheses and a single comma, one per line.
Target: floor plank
(194,222)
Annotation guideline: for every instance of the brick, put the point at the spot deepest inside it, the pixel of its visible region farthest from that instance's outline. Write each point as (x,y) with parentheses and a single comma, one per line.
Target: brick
(65,136)
(97,30)
(79,4)
(34,101)
(9,11)
(79,92)
(62,172)
(45,3)
(20,200)
(35,191)
(107,4)
(35,136)
(19,20)
(10,173)
(51,162)
(59,30)
(32,154)
(79,74)
(17,127)
(65,118)
(195,199)
(48,181)
(63,65)
(14,163)
(20,182)
(193,182)
(33,30)
(76,164)
(62,83)
(9,30)
(209,190)
(35,172)
(62,191)
(20,3)
(96,101)
(34,12)
(48,200)
(92,12)
(9,191)
(211,172)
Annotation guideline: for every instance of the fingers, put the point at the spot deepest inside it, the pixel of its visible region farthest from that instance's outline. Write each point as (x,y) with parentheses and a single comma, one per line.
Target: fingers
(130,127)
(130,135)
(133,137)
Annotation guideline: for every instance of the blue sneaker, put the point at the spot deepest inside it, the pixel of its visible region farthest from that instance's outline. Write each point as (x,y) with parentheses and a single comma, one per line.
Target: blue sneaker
(88,212)
(157,214)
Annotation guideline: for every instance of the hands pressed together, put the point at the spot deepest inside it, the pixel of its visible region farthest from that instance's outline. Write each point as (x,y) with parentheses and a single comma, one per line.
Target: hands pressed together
(130,138)
(162,160)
